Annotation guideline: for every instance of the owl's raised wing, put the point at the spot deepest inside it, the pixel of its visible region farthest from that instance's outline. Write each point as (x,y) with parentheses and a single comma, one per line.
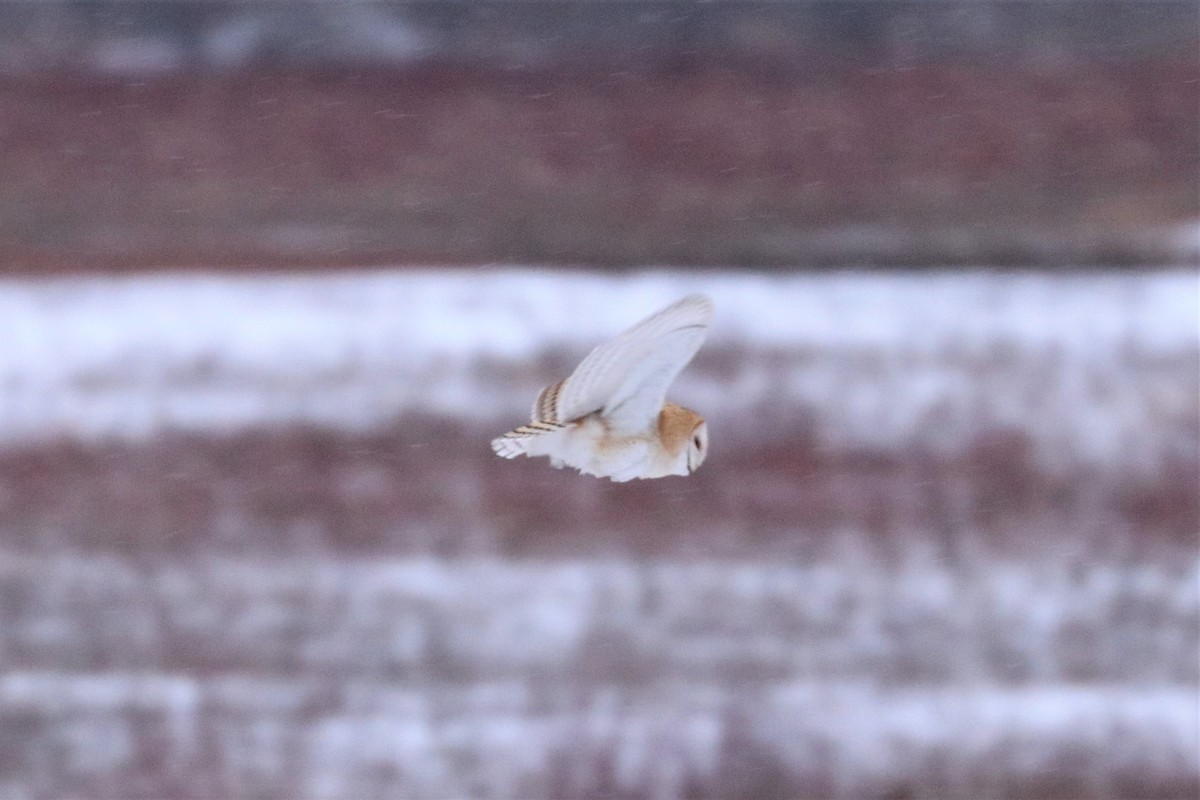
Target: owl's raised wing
(627,378)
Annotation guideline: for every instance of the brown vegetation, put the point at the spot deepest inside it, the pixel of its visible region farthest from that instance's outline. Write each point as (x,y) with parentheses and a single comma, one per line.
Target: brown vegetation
(302,613)
(936,163)
(431,488)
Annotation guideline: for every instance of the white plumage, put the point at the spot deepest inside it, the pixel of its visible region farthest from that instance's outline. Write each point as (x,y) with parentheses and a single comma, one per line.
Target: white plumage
(610,418)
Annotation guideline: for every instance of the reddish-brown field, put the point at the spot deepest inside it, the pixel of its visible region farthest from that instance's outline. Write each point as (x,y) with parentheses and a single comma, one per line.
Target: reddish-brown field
(947,163)
(433,488)
(944,545)
(303,613)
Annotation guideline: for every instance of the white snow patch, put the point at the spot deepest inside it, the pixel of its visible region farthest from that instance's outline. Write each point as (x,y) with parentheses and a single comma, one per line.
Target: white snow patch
(1102,367)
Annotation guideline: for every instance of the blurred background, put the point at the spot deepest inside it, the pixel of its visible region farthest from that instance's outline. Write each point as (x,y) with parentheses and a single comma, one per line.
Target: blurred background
(273,273)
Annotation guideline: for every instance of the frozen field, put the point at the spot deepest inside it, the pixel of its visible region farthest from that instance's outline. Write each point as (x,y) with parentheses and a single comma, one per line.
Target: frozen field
(253,542)
(1094,368)
(426,678)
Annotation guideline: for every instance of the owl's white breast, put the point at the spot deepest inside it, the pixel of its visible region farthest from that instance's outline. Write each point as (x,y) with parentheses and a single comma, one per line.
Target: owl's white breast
(590,447)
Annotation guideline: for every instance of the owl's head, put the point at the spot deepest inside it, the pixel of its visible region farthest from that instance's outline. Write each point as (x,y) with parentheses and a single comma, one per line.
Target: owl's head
(684,436)
(697,446)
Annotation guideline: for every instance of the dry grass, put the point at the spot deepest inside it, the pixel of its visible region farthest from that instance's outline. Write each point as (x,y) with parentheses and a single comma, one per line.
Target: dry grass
(959,566)
(302,613)
(945,163)
(431,488)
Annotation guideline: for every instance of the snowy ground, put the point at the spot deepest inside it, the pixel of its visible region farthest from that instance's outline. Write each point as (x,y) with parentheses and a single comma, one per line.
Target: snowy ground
(252,542)
(879,361)
(491,679)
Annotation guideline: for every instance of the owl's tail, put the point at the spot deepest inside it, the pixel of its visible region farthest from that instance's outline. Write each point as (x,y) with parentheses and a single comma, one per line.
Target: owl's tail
(524,440)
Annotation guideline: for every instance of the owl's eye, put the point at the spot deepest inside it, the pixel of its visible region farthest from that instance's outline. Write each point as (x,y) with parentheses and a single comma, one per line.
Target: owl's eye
(696,441)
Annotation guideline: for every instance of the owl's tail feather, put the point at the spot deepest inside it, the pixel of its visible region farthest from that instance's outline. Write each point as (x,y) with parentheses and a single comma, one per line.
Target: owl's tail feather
(519,441)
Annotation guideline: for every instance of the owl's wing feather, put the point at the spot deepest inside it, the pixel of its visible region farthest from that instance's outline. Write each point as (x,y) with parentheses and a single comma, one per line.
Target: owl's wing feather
(545,407)
(627,378)
(524,439)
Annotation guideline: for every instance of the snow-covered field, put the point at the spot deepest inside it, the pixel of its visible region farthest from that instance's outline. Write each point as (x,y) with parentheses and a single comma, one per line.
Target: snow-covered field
(313,737)
(1093,367)
(253,543)
(429,679)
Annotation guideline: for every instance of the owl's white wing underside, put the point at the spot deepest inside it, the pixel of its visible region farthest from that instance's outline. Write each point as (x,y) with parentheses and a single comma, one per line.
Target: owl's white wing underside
(626,379)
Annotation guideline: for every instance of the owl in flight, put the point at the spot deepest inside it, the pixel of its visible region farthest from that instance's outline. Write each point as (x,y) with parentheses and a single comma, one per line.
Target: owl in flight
(610,418)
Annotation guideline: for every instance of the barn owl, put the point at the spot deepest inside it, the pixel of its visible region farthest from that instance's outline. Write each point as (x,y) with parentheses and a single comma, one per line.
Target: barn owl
(610,418)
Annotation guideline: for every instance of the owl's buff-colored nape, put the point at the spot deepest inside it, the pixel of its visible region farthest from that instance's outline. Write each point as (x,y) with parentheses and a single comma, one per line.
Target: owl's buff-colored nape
(610,417)
(675,426)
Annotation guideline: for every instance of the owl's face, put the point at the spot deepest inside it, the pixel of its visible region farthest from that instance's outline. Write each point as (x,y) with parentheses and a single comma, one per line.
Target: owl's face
(697,447)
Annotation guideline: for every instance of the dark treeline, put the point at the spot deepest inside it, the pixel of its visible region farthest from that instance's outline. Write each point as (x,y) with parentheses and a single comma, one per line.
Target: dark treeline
(120,35)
